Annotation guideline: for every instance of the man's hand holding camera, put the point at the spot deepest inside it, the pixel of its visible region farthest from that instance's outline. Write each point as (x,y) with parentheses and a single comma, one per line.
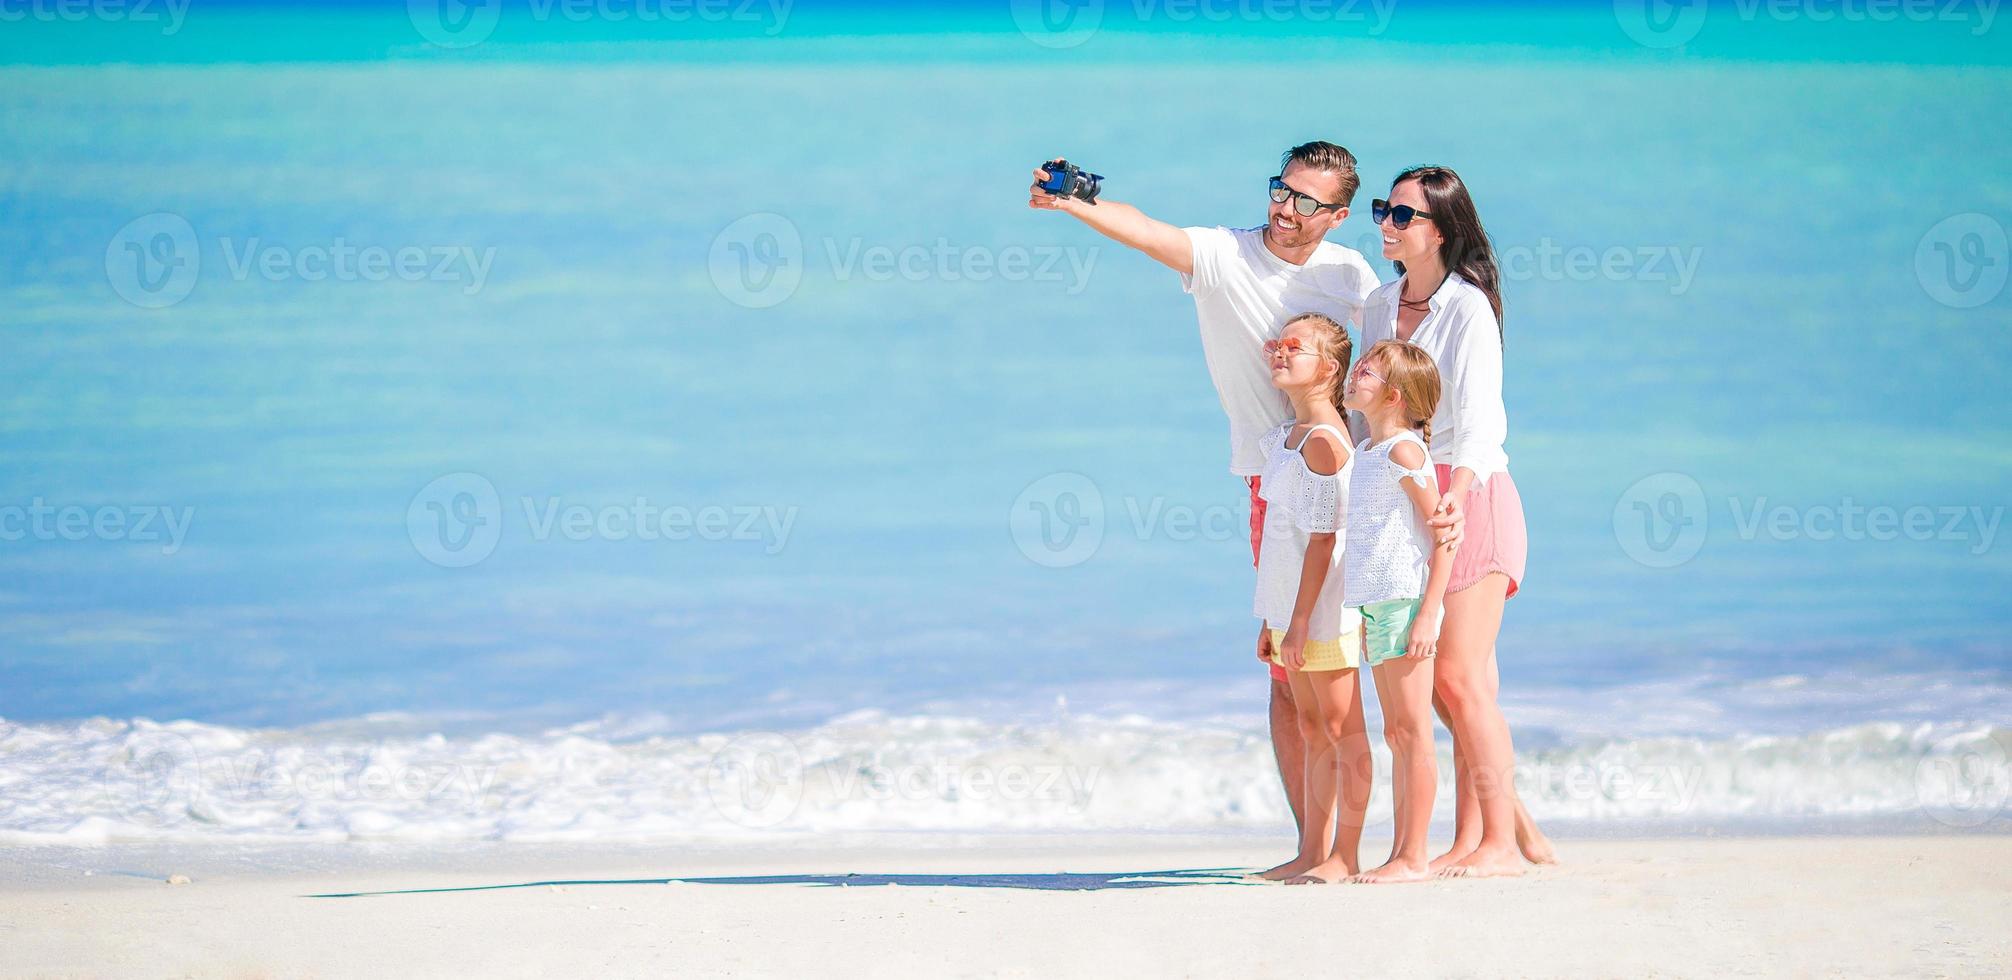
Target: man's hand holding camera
(1062,186)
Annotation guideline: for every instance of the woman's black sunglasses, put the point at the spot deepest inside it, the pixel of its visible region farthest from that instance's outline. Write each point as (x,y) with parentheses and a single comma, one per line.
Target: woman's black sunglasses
(1307,206)
(1400,216)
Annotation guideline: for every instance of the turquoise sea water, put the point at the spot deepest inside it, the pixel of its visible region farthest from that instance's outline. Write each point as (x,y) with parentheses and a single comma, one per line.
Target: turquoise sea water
(1734,275)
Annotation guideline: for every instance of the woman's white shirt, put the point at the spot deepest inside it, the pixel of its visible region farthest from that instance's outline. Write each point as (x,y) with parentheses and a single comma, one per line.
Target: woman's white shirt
(1460,331)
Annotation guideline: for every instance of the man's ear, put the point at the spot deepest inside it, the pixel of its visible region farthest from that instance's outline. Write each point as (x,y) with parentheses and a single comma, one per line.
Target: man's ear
(1337,216)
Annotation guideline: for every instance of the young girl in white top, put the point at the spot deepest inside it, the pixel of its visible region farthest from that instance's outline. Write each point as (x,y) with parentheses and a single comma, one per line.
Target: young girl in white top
(1307,629)
(1397,578)
(1448,301)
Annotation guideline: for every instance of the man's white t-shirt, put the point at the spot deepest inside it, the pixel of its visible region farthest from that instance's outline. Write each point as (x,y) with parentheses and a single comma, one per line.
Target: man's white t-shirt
(1243,295)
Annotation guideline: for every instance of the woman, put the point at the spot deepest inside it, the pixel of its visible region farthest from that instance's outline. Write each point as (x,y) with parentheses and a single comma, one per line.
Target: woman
(1448,300)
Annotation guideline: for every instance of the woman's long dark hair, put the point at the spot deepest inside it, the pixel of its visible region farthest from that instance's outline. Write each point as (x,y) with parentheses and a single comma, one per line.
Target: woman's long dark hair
(1466,249)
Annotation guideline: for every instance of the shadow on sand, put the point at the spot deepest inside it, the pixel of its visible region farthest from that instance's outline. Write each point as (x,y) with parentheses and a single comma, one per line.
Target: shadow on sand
(1061,882)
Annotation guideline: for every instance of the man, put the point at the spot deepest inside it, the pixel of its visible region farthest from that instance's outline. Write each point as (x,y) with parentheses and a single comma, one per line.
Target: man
(1246,283)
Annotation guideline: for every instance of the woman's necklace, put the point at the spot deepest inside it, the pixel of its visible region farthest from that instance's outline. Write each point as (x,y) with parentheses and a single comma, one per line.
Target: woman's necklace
(1420,304)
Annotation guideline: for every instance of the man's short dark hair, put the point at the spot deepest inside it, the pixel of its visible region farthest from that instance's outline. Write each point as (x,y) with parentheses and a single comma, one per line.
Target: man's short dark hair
(1322,155)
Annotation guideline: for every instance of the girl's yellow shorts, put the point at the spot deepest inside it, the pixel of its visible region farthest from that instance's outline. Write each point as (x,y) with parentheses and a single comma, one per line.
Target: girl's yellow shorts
(1342,654)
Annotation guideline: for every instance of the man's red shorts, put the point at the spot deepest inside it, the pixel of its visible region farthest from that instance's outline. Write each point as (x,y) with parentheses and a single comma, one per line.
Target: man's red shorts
(1257,539)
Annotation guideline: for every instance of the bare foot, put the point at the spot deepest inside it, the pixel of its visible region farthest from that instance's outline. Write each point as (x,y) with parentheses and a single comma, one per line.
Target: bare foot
(1326,872)
(1535,846)
(1495,862)
(1454,855)
(1395,872)
(1291,869)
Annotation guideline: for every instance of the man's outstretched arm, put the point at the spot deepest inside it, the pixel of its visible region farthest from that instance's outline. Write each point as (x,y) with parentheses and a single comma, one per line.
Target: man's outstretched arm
(1121,223)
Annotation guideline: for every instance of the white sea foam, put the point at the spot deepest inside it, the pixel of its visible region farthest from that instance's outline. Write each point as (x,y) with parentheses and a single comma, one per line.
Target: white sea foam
(105,780)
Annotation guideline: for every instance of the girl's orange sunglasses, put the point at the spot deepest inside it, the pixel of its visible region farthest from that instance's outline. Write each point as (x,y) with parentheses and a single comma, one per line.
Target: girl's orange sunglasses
(1290,346)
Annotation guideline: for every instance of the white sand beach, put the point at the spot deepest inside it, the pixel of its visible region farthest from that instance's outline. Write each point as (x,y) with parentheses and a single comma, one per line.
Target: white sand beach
(1022,906)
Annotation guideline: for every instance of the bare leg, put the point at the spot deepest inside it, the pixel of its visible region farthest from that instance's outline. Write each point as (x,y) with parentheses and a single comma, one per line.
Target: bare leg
(1316,831)
(1357,769)
(1536,847)
(1330,789)
(1404,688)
(1531,841)
(1466,809)
(1288,748)
(1465,682)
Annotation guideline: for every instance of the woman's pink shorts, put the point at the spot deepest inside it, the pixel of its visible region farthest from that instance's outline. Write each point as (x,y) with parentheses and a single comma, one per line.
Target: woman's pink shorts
(1495,539)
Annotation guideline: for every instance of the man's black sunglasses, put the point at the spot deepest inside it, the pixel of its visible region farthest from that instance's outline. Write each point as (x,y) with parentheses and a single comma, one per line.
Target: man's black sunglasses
(1305,204)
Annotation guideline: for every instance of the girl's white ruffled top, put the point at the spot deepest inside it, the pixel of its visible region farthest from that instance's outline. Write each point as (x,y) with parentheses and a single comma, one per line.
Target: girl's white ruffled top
(1387,545)
(1298,504)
